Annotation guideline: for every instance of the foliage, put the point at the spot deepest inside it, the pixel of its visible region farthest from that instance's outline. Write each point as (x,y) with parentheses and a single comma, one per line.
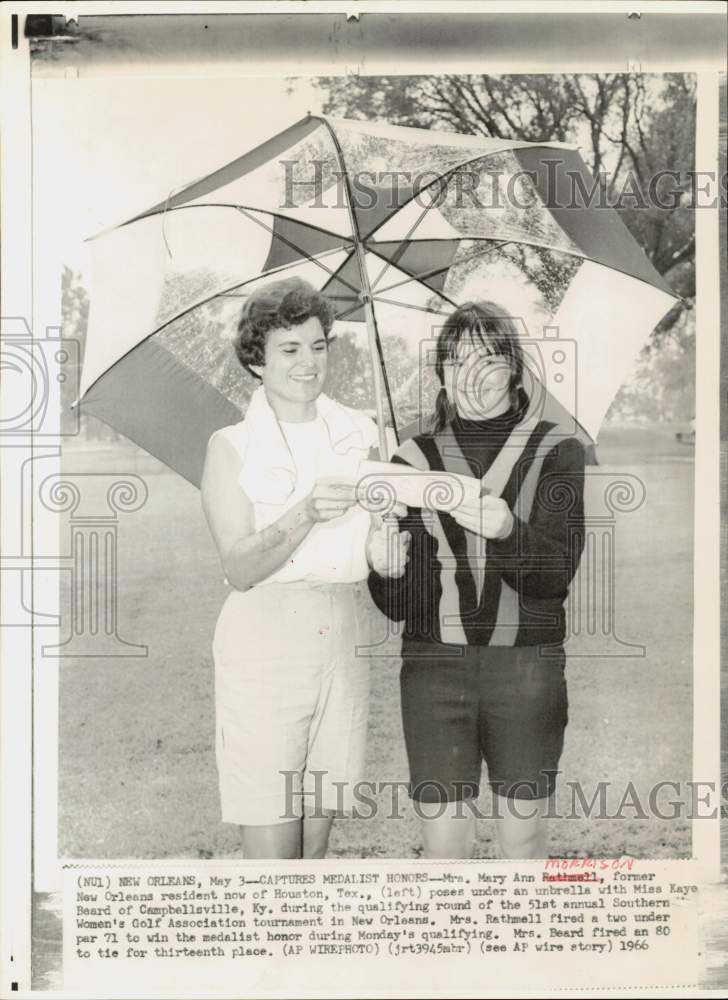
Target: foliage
(663,385)
(629,126)
(632,130)
(201,338)
(74,323)
(350,375)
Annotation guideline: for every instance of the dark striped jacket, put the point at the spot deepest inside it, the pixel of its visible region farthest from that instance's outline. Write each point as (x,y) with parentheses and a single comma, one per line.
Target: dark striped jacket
(461,588)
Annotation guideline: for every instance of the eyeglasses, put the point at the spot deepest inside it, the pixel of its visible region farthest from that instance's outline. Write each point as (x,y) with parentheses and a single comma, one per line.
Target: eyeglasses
(478,360)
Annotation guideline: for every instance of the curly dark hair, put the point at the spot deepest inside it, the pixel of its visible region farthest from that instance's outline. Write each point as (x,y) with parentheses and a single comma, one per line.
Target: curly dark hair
(279,305)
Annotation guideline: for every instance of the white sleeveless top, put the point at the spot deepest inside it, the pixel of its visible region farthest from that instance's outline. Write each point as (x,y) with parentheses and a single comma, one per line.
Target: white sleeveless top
(333,551)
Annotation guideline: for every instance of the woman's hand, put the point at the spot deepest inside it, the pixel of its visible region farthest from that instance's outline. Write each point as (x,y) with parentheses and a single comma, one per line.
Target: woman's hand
(387,547)
(329,498)
(488,516)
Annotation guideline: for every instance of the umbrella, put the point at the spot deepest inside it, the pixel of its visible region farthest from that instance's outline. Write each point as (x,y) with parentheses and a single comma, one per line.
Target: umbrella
(396,226)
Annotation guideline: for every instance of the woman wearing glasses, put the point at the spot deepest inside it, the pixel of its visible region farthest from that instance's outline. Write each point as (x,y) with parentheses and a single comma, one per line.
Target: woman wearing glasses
(483,595)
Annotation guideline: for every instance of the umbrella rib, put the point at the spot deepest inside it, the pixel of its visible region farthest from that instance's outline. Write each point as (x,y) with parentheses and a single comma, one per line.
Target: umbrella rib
(298,249)
(445,175)
(343,298)
(226,204)
(223,293)
(445,298)
(403,243)
(410,305)
(347,312)
(399,305)
(279,215)
(277,270)
(577,254)
(368,303)
(438,270)
(251,154)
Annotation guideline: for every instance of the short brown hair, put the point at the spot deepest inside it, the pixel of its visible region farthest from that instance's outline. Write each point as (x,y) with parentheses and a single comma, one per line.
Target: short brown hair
(279,305)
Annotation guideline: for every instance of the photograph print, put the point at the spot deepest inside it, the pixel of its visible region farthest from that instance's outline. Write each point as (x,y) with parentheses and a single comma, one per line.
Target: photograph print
(380,436)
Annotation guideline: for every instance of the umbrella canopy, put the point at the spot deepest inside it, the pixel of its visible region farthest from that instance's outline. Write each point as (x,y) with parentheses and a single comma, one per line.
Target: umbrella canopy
(396,226)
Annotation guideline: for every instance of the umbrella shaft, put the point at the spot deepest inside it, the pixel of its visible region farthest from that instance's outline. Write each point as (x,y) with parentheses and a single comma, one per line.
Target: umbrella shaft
(377,374)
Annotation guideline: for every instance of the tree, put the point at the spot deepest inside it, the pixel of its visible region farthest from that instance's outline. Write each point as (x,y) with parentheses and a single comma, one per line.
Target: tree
(661,388)
(74,322)
(637,136)
(74,319)
(350,375)
(634,126)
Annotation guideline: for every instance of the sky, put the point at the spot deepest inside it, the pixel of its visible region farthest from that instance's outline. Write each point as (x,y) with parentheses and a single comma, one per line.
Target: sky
(107,148)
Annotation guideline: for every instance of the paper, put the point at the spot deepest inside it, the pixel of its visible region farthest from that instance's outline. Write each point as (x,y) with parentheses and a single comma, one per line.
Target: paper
(382,484)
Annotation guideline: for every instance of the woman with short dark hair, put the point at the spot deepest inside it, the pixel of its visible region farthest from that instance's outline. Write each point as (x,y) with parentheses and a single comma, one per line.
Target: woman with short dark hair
(284,303)
(278,491)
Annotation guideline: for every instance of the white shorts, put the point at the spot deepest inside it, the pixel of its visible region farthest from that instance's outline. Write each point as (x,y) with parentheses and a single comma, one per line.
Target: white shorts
(291,699)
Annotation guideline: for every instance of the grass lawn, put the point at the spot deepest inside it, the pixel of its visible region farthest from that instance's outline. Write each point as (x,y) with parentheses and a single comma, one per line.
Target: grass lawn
(137,772)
